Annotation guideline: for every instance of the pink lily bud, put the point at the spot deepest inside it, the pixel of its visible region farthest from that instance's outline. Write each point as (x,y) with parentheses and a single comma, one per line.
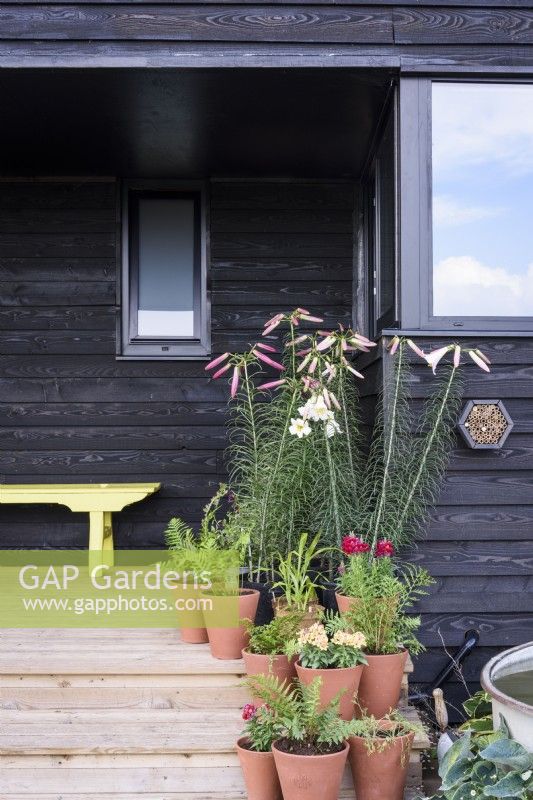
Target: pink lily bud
(303,352)
(334,400)
(220,372)
(479,361)
(416,349)
(266,347)
(295,321)
(349,366)
(268,360)
(304,362)
(271,327)
(312,365)
(345,346)
(325,343)
(235,381)
(482,355)
(302,311)
(456,355)
(298,340)
(217,360)
(309,318)
(324,333)
(325,395)
(358,337)
(276,318)
(394,344)
(272,384)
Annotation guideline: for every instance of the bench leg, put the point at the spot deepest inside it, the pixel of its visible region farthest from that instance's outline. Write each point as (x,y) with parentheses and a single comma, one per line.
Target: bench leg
(108,538)
(100,538)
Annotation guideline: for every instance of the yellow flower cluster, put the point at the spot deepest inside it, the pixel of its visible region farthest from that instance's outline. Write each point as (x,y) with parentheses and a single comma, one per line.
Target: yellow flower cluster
(315,635)
(350,639)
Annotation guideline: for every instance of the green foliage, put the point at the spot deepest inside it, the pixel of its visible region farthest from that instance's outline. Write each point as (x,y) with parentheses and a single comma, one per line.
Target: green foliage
(271,639)
(481,765)
(330,644)
(407,457)
(379,734)
(381,611)
(363,572)
(297,711)
(261,729)
(299,590)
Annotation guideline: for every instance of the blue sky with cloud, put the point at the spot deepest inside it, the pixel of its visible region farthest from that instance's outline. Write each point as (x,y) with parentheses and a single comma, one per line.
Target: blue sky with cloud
(483,199)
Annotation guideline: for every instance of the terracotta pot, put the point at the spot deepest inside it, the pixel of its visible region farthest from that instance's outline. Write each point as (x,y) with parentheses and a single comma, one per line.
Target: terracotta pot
(379,689)
(333,682)
(281,609)
(194,635)
(195,632)
(310,777)
(260,774)
(282,667)
(229,642)
(382,773)
(344,602)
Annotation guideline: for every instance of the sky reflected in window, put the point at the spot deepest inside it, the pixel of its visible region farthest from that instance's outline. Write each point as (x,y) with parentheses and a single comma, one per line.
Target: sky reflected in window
(482,199)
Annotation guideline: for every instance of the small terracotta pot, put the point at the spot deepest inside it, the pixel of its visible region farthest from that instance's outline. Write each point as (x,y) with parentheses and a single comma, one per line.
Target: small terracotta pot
(334,681)
(380,686)
(260,774)
(382,773)
(310,777)
(229,642)
(281,609)
(196,634)
(282,667)
(344,602)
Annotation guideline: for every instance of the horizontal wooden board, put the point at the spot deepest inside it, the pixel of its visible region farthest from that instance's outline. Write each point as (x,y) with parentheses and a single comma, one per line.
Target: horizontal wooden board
(205,437)
(50,245)
(60,341)
(65,293)
(287,245)
(114,389)
(58,269)
(493,488)
(250,196)
(112,413)
(46,318)
(276,269)
(85,193)
(277,221)
(109,462)
(218,23)
(58,220)
(496,630)
(487,522)
(94,366)
(463,26)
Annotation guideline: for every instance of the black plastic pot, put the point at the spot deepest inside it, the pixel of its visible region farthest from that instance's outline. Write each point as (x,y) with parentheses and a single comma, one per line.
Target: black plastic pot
(265,612)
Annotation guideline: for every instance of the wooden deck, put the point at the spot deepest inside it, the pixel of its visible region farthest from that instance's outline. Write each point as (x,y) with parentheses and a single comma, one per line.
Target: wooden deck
(121,715)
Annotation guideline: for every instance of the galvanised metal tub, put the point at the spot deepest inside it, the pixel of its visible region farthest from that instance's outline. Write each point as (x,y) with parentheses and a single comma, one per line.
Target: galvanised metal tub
(517,714)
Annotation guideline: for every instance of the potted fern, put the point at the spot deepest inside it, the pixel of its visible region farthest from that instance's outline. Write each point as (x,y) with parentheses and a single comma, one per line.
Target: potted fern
(254,750)
(265,653)
(311,749)
(222,603)
(379,756)
(381,613)
(331,651)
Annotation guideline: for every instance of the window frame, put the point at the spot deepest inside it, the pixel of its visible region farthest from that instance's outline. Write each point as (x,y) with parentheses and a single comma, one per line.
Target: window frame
(371,213)
(416,215)
(129,344)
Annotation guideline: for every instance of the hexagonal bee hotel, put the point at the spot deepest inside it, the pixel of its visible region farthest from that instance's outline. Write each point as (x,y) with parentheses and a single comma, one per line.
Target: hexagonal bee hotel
(485,424)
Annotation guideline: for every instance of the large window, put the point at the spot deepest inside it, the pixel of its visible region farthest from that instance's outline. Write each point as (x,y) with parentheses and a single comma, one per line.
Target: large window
(469,162)
(164,297)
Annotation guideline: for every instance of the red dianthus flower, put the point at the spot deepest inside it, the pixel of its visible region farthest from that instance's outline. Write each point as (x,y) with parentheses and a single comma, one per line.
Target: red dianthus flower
(384,548)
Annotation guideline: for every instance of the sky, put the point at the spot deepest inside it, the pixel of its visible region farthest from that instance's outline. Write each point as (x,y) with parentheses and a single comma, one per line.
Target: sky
(482,199)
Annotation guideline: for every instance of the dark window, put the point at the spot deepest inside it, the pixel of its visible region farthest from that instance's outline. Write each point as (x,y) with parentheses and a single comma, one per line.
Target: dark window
(164,276)
(467,166)
(381,226)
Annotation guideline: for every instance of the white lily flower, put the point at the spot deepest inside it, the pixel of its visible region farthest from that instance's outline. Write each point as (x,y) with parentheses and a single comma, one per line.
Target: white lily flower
(319,411)
(299,427)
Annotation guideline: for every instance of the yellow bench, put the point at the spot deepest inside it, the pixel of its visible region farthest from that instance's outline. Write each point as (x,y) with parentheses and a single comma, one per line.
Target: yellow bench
(99,500)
